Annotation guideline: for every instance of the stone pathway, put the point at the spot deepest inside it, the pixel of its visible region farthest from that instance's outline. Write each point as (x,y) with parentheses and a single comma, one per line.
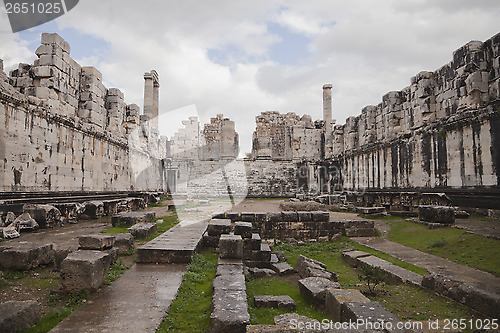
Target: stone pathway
(139,300)
(136,302)
(486,281)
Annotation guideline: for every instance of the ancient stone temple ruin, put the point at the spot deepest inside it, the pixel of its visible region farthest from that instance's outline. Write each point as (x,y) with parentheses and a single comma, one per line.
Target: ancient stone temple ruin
(71,149)
(441,133)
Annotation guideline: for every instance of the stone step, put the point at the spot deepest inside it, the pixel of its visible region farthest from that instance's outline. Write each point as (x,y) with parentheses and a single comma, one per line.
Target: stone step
(177,245)
(393,273)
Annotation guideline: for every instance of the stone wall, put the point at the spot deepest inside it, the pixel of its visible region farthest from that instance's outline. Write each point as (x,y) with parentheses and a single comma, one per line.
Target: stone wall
(443,131)
(63,130)
(286,137)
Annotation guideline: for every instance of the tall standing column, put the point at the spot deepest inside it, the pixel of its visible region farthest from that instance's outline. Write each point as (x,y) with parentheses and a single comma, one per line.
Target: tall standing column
(151,97)
(327,106)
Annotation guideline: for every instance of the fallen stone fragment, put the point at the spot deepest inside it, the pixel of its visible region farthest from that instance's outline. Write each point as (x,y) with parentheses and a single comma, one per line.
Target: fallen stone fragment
(16,316)
(96,242)
(93,209)
(143,229)
(25,256)
(46,216)
(336,298)
(124,242)
(282,268)
(9,233)
(84,269)
(131,218)
(261,272)
(436,214)
(314,289)
(26,223)
(277,302)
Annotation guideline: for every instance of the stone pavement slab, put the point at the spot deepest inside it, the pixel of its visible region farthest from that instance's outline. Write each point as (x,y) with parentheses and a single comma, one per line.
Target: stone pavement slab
(177,245)
(136,302)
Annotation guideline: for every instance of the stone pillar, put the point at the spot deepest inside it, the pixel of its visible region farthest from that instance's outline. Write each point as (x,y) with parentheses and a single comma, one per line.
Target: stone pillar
(327,107)
(151,97)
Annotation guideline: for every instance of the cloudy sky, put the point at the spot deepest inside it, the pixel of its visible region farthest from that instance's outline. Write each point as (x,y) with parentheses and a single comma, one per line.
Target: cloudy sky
(240,58)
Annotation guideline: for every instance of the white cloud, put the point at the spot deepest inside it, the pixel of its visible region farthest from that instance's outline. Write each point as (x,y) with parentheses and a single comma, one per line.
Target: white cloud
(365,48)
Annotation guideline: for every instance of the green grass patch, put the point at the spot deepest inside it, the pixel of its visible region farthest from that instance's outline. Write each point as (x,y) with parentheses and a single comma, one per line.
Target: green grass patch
(454,244)
(115,271)
(50,320)
(168,222)
(72,302)
(277,287)
(190,311)
(405,301)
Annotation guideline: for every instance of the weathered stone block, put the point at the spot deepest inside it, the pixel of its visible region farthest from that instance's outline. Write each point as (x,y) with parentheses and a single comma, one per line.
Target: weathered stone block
(360,232)
(304,216)
(229,312)
(143,229)
(437,214)
(474,295)
(25,256)
(351,257)
(16,316)
(313,289)
(9,233)
(274,217)
(307,267)
(265,253)
(252,244)
(91,71)
(231,246)
(289,216)
(84,269)
(93,209)
(277,302)
(320,216)
(243,228)
(46,216)
(229,282)
(131,218)
(233,216)
(48,38)
(368,311)
(247,217)
(335,298)
(260,217)
(96,242)
(229,269)
(282,268)
(124,242)
(261,272)
(219,215)
(216,227)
